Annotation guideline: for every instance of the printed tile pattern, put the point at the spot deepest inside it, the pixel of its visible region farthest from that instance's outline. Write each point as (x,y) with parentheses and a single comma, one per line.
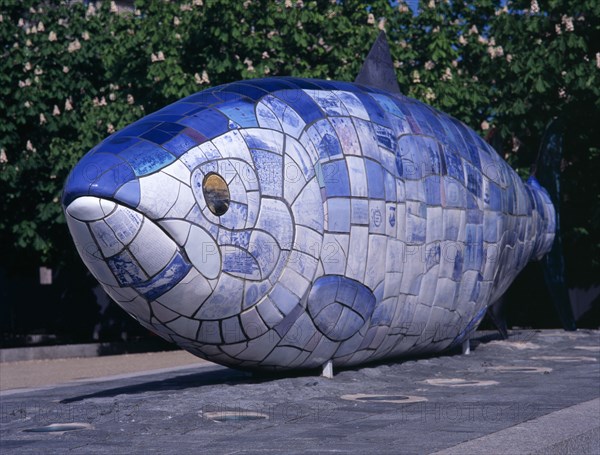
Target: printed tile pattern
(358,224)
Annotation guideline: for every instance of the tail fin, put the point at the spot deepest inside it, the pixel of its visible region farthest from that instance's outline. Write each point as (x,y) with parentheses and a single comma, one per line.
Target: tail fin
(547,171)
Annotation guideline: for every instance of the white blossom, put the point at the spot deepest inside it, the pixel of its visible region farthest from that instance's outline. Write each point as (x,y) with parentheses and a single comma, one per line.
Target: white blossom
(568,23)
(27,104)
(85,36)
(265,55)
(42,119)
(40,27)
(130,99)
(248,64)
(52,36)
(534,8)
(110,128)
(403,8)
(370,19)
(509,58)
(485,126)
(447,76)
(74,46)
(112,97)
(65,69)
(113,7)
(462,40)
(597,59)
(186,7)
(68,105)
(429,65)
(56,111)
(429,94)
(21,23)
(473,30)
(288,3)
(27,67)
(431,4)
(176,21)
(91,10)
(28,43)
(3,158)
(29,146)
(557,29)
(198,2)
(159,57)
(381,24)
(38,71)
(416,77)
(267,70)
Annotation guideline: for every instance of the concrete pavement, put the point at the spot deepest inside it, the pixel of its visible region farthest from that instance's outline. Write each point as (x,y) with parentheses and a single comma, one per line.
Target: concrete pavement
(537,392)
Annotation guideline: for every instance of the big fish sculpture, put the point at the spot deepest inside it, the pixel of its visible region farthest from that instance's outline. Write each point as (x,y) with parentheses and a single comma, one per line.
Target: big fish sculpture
(288,223)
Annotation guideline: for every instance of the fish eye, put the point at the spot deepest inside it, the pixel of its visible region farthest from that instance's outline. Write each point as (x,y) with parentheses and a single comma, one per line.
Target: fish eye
(216,193)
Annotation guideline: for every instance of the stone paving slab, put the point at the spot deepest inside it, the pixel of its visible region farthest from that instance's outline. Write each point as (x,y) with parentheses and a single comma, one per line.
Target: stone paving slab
(540,385)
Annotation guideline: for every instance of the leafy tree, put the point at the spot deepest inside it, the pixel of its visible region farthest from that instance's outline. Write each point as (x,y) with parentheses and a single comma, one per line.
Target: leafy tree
(72,73)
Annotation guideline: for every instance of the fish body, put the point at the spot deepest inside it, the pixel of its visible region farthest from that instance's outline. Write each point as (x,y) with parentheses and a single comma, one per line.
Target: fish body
(283,223)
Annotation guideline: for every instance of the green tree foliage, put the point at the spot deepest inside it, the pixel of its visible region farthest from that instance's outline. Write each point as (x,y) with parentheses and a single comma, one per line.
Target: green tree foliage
(72,73)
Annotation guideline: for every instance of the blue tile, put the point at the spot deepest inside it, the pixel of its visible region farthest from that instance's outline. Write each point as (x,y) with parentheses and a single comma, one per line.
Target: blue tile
(375,180)
(138,128)
(180,108)
(376,113)
(157,136)
(390,187)
(210,123)
(180,144)
(241,112)
(303,104)
(247,90)
(204,98)
(338,214)
(335,179)
(433,190)
(385,137)
(126,270)
(302,83)
(272,84)
(112,179)
(117,143)
(129,193)
(146,158)
(473,180)
(87,171)
(164,281)
(454,166)
(388,104)
(227,97)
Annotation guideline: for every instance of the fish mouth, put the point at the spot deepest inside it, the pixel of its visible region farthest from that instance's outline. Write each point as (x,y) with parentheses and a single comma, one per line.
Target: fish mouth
(124,248)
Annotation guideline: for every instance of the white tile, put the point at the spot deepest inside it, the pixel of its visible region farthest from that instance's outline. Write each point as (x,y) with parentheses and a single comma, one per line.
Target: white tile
(328,102)
(367,138)
(266,117)
(125,224)
(184,327)
(137,307)
(162,313)
(358,176)
(358,249)
(177,229)
(291,122)
(86,208)
(152,248)
(199,155)
(308,241)
(304,159)
(377,216)
(293,179)
(225,301)
(295,282)
(258,138)
(158,193)
(232,145)
(275,218)
(203,252)
(375,270)
(308,207)
(334,253)
(265,251)
(178,170)
(186,296)
(346,132)
(354,106)
(106,239)
(184,203)
(107,206)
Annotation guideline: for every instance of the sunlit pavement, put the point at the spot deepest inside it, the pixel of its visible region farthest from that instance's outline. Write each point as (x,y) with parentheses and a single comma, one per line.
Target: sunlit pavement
(537,392)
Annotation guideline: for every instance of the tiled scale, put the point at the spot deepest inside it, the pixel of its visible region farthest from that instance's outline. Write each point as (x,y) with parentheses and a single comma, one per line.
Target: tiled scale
(294,223)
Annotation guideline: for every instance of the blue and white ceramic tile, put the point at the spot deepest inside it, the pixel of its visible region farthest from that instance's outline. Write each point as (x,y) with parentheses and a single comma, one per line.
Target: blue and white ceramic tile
(284,223)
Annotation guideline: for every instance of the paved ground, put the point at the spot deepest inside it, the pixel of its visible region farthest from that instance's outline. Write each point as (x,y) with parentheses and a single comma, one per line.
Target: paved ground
(535,393)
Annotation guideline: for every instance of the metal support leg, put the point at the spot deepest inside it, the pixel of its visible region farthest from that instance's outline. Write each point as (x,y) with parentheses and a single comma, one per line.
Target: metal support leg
(466,347)
(328,370)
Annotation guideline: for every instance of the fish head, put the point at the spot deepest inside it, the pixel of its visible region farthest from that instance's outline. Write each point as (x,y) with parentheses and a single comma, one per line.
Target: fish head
(191,231)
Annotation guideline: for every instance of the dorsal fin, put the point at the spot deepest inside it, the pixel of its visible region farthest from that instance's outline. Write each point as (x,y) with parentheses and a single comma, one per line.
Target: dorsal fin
(378,70)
